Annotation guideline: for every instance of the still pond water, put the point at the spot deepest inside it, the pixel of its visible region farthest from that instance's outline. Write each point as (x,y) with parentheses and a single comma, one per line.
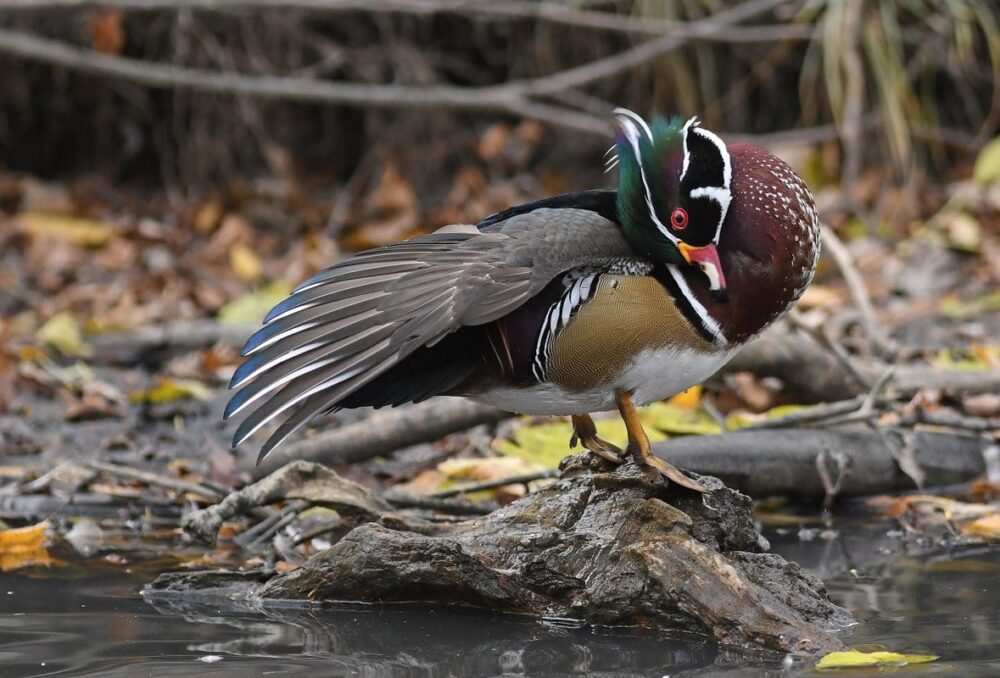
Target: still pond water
(74,621)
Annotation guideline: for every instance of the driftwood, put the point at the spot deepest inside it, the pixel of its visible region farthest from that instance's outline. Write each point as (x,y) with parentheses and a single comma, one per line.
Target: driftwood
(297,481)
(602,546)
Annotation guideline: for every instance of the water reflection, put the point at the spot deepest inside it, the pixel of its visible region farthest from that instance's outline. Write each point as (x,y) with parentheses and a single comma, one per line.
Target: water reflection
(374,641)
(91,623)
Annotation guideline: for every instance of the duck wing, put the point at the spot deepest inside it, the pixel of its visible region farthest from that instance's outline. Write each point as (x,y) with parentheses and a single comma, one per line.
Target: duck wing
(355,320)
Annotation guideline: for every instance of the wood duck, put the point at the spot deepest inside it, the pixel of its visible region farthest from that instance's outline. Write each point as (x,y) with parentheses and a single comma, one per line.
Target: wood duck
(578,303)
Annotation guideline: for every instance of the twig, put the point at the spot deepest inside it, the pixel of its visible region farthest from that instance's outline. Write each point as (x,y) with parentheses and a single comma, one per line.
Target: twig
(856,286)
(810,415)
(954,421)
(263,531)
(524,479)
(819,334)
(317,532)
(831,487)
(151,478)
(462,508)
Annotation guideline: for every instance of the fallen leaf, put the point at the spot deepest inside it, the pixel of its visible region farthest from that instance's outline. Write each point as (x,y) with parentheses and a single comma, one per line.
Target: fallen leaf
(687,400)
(955,308)
(19,539)
(75,230)
(15,561)
(987,527)
(245,263)
(947,359)
(106,32)
(253,306)
(852,659)
(208,216)
(24,546)
(547,444)
(492,141)
(963,232)
(987,167)
(168,390)
(670,419)
(62,332)
(462,471)
(982,404)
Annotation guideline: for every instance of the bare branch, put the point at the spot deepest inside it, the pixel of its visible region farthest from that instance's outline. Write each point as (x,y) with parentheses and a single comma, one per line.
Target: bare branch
(552,12)
(512,97)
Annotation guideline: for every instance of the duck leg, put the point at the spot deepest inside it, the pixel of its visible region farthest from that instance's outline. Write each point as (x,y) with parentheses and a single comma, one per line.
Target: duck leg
(638,446)
(585,433)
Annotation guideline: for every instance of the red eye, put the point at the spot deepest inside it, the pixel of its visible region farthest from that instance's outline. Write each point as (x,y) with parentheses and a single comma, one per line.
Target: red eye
(679,218)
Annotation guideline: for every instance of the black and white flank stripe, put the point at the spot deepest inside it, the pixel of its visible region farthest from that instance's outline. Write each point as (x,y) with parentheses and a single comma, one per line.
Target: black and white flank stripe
(579,288)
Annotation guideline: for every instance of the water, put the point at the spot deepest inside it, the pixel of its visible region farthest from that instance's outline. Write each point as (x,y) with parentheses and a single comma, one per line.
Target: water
(90,621)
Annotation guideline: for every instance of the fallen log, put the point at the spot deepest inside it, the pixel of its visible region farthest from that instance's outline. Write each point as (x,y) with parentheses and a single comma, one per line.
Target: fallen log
(385,431)
(600,545)
(861,461)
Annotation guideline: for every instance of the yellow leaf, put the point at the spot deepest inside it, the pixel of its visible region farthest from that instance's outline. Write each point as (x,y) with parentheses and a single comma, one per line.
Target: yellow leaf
(670,419)
(987,527)
(252,307)
(245,263)
(738,420)
(62,332)
(945,358)
(987,168)
(169,390)
(458,472)
(19,559)
(77,231)
(23,539)
(547,444)
(852,659)
(486,468)
(955,308)
(687,400)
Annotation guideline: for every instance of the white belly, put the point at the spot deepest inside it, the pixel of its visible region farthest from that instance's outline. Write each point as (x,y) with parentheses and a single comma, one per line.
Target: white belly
(653,375)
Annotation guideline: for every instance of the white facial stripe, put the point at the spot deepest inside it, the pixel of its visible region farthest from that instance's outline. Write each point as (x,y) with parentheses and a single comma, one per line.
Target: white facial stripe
(692,122)
(707,320)
(727,170)
(625,119)
(720,195)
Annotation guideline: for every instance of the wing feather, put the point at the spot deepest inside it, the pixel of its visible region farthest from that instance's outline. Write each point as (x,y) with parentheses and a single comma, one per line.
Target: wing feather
(349,323)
